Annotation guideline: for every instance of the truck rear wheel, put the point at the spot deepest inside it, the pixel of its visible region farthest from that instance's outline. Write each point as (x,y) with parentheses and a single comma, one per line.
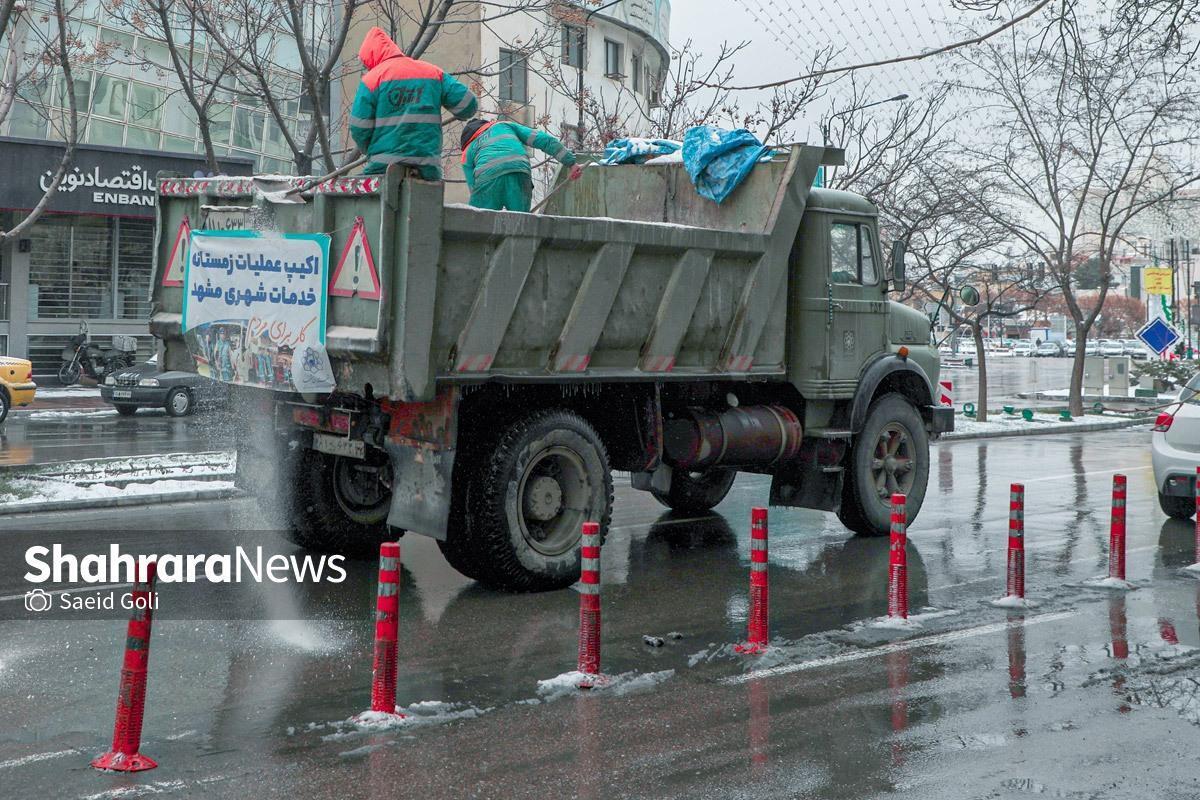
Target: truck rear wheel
(696,492)
(339,505)
(890,454)
(528,498)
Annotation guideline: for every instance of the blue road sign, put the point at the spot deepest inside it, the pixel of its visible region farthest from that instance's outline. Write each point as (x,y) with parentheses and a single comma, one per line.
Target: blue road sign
(1158,335)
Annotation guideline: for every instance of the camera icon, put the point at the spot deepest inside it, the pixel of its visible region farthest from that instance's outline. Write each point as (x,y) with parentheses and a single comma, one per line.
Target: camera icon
(37,600)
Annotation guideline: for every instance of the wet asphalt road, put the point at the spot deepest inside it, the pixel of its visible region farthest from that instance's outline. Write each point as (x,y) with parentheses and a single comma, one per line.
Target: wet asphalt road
(1089,695)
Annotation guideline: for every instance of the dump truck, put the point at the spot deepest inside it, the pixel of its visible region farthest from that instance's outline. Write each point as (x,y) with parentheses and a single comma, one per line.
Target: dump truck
(487,372)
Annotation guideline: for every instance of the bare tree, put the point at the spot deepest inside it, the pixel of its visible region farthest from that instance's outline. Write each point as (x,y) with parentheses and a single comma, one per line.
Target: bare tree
(55,55)
(1092,127)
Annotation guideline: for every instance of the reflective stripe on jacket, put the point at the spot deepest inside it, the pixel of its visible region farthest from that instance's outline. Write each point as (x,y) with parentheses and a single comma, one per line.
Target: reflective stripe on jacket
(397,114)
(499,149)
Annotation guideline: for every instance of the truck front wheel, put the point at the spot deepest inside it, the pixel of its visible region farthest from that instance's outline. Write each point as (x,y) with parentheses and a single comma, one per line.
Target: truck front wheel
(529,496)
(696,492)
(890,455)
(340,505)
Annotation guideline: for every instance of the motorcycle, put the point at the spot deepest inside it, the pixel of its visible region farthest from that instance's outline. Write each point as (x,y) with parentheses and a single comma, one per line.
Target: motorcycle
(81,357)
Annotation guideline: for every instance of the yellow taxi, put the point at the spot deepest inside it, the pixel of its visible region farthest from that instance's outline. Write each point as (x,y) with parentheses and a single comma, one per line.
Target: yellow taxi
(16,384)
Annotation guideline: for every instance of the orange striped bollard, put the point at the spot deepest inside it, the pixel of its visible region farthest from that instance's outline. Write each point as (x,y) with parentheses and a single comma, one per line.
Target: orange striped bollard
(589,607)
(1116,536)
(757,622)
(387,630)
(131,697)
(898,560)
(1016,541)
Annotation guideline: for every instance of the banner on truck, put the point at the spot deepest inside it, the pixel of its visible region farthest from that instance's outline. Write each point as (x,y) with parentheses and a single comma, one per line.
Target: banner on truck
(254,308)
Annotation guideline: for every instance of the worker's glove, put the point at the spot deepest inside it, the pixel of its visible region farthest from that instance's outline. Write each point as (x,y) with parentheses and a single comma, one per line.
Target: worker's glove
(576,172)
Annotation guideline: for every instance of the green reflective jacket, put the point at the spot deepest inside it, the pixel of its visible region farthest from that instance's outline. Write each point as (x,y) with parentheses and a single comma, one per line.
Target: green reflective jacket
(499,149)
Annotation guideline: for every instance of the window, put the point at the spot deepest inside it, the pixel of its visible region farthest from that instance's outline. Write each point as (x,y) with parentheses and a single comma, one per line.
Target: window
(146,105)
(513,77)
(851,254)
(572,136)
(109,99)
(635,71)
(653,88)
(574,45)
(614,59)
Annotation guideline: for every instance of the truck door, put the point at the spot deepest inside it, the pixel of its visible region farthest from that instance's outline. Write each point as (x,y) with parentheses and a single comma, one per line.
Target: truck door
(858,328)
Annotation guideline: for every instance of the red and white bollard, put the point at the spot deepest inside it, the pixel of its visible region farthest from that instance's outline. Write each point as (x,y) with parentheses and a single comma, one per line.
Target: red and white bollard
(589,607)
(1195,566)
(387,631)
(898,560)
(1116,536)
(131,697)
(757,625)
(946,393)
(1016,541)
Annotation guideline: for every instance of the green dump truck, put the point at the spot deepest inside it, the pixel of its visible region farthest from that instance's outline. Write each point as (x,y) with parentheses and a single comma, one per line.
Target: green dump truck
(485,372)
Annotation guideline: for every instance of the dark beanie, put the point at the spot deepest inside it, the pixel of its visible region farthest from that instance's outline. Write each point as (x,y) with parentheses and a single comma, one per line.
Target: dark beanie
(470,129)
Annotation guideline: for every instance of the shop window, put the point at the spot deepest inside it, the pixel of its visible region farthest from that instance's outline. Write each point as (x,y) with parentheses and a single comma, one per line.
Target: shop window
(135,249)
(513,83)
(101,132)
(142,138)
(109,99)
(70,268)
(146,105)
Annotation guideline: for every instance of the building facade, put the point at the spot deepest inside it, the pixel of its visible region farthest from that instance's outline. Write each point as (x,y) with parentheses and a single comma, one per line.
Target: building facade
(89,257)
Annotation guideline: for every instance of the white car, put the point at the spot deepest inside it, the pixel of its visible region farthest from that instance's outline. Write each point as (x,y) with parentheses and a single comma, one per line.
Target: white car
(1175,452)
(1111,348)
(1023,348)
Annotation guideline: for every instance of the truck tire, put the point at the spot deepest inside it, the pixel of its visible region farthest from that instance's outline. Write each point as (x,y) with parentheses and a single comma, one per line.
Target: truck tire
(332,510)
(696,492)
(531,492)
(890,454)
(1177,507)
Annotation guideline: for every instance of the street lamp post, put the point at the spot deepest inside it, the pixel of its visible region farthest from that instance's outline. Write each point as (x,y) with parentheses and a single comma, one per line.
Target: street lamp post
(580,41)
(825,125)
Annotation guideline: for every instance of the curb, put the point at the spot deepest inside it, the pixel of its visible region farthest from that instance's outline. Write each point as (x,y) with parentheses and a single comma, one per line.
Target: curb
(121,502)
(1057,429)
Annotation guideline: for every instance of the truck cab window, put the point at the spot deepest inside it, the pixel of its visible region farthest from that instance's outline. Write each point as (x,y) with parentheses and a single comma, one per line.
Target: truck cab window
(843,252)
(851,254)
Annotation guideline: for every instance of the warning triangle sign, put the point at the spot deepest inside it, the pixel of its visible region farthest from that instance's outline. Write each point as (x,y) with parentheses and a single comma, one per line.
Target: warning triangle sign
(355,272)
(173,275)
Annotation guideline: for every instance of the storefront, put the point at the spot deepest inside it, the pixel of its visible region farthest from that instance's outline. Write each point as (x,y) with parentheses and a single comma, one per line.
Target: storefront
(90,256)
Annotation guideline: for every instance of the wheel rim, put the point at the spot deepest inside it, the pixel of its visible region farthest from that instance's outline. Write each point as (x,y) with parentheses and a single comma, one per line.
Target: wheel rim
(893,462)
(180,402)
(554,494)
(363,490)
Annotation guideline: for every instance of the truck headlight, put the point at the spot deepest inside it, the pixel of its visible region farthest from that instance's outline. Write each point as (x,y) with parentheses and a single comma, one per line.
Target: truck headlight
(110,381)
(148,382)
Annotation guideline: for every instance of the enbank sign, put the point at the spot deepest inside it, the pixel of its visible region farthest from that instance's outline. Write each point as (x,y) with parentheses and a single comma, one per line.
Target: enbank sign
(129,187)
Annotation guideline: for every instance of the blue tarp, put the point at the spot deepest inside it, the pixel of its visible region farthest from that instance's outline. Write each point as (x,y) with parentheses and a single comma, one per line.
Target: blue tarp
(718,159)
(636,150)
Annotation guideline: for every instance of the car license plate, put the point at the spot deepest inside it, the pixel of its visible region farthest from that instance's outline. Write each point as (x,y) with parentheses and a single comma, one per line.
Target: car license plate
(122,394)
(339,445)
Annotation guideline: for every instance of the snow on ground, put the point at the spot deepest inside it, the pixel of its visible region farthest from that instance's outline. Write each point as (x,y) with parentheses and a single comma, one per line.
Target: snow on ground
(1001,423)
(1111,584)
(1012,601)
(71,392)
(23,492)
(166,465)
(567,683)
(426,712)
(112,412)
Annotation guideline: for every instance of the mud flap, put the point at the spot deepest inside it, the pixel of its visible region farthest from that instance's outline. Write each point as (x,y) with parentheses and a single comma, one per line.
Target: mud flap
(420,488)
(813,479)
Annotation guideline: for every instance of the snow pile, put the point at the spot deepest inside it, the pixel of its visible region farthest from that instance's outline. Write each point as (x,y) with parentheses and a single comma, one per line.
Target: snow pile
(567,683)
(112,412)
(1003,423)
(31,492)
(426,712)
(912,622)
(60,392)
(1012,601)
(1110,584)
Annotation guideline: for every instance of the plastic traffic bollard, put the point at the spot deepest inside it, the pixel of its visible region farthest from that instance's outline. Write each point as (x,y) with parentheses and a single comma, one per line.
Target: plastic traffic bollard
(589,607)
(131,697)
(387,630)
(1016,541)
(1116,535)
(757,620)
(898,560)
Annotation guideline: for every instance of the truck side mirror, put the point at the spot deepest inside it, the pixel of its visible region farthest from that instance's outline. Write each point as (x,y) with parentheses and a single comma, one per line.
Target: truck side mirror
(899,251)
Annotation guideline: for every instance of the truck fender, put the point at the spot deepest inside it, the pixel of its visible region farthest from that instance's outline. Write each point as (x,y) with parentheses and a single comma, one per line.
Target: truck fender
(896,374)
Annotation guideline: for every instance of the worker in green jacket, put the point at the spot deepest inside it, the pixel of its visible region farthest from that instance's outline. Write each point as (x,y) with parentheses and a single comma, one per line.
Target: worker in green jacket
(496,165)
(397,114)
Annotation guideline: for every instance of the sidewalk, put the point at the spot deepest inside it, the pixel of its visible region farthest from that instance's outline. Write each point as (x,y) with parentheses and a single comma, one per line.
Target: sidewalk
(58,398)
(1000,424)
